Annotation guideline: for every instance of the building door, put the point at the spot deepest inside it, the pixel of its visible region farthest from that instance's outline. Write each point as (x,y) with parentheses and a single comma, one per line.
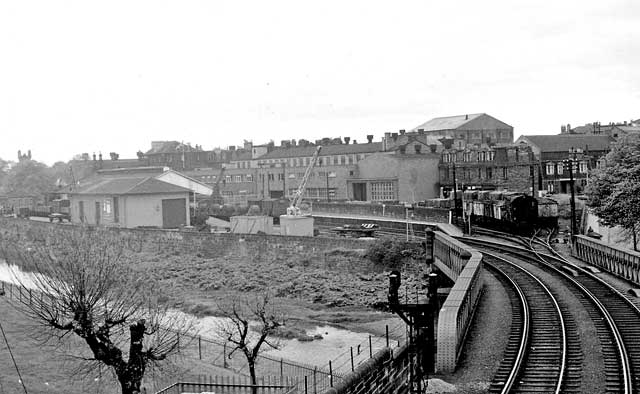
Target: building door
(116,211)
(97,213)
(81,211)
(174,213)
(360,191)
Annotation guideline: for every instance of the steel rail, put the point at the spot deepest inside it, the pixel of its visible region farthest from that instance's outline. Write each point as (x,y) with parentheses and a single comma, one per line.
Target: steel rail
(624,358)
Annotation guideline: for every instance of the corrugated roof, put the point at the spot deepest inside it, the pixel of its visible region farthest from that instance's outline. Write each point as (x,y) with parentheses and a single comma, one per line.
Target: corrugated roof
(337,149)
(447,122)
(127,185)
(564,142)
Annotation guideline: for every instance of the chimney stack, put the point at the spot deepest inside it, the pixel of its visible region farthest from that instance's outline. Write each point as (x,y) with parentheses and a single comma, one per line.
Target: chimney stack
(394,136)
(402,131)
(466,117)
(346,140)
(369,138)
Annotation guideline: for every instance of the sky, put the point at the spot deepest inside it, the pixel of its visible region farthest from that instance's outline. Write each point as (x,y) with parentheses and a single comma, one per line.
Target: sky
(112,76)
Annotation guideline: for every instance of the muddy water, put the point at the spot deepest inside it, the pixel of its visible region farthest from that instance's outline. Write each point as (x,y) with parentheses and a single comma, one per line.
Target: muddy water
(336,344)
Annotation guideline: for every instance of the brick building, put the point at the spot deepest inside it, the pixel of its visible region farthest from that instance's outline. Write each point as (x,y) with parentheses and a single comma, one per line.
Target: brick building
(510,167)
(182,157)
(470,129)
(612,129)
(403,175)
(550,150)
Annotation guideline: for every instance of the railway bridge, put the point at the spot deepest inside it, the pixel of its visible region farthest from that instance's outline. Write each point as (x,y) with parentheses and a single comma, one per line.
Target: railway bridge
(555,300)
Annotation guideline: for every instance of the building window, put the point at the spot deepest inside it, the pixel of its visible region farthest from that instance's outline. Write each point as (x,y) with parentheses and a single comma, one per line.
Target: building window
(343,160)
(479,173)
(271,177)
(238,178)
(248,177)
(582,167)
(550,187)
(489,173)
(550,168)
(280,176)
(382,191)
(227,178)
(505,173)
(106,206)
(559,169)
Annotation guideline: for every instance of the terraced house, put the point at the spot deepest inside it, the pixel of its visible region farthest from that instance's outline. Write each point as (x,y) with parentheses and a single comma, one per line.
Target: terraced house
(586,149)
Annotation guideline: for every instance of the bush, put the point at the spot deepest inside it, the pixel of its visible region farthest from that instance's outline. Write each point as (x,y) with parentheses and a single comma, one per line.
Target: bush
(392,254)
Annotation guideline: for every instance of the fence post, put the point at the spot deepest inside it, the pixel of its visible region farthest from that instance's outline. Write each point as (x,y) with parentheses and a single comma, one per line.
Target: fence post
(370,348)
(200,346)
(352,365)
(224,355)
(305,385)
(330,374)
(387,334)
(281,369)
(315,371)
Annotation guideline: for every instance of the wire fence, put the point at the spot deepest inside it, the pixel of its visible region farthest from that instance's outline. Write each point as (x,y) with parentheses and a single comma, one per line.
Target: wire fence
(303,378)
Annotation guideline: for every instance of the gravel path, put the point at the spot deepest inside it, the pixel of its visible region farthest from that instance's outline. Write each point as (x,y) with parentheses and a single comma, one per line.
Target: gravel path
(486,340)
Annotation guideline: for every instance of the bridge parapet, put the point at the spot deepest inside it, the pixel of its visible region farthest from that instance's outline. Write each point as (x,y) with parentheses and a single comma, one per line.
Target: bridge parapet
(621,262)
(463,265)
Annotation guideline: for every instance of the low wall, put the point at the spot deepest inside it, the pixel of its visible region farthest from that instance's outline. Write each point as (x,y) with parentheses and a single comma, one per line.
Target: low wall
(429,214)
(205,243)
(464,266)
(386,373)
(621,262)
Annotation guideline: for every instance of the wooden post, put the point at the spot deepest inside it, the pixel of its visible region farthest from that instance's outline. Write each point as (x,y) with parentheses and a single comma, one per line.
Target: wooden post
(305,385)
(315,385)
(387,334)
(370,348)
(352,365)
(330,374)
(200,347)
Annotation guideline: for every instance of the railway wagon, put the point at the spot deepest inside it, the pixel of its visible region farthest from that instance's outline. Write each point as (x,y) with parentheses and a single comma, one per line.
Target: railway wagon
(506,211)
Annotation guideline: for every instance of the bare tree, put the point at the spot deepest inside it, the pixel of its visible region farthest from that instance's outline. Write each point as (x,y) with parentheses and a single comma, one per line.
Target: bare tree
(249,324)
(83,284)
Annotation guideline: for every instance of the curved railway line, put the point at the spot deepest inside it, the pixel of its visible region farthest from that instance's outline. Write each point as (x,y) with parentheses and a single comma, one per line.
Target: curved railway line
(535,358)
(615,317)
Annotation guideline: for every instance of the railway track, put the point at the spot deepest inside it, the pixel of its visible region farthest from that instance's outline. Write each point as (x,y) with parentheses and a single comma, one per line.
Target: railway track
(614,316)
(535,357)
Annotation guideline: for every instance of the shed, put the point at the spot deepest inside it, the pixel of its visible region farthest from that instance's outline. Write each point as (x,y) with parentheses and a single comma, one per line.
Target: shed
(130,201)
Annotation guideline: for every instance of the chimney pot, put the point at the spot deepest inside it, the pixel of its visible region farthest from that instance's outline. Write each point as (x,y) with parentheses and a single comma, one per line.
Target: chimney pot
(402,131)
(369,138)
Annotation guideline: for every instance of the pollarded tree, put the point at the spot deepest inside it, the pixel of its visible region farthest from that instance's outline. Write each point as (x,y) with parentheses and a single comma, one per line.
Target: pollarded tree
(240,314)
(83,284)
(614,190)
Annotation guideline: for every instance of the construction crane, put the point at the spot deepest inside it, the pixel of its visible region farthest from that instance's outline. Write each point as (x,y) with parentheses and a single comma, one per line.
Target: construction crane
(296,199)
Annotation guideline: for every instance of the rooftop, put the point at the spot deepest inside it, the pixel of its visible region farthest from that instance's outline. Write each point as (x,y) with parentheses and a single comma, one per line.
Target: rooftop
(564,142)
(130,184)
(335,149)
(447,122)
